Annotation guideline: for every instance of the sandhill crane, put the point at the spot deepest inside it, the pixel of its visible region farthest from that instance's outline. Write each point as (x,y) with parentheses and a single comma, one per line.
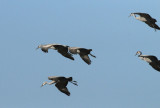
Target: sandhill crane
(144,17)
(61,83)
(83,52)
(152,60)
(62,49)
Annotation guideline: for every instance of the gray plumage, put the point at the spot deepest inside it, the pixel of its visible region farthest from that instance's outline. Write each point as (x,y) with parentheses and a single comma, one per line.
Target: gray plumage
(144,17)
(152,60)
(60,83)
(83,52)
(62,49)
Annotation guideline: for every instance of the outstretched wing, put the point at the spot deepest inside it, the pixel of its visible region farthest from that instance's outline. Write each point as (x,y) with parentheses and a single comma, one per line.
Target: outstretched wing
(146,16)
(63,50)
(143,14)
(62,88)
(44,50)
(153,25)
(155,66)
(54,77)
(85,58)
(65,54)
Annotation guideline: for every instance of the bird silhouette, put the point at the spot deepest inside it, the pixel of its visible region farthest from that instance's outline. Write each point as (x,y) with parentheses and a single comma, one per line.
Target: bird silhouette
(152,60)
(83,52)
(144,17)
(61,83)
(62,49)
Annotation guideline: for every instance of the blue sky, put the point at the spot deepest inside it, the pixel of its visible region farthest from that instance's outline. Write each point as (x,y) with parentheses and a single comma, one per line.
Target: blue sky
(115,79)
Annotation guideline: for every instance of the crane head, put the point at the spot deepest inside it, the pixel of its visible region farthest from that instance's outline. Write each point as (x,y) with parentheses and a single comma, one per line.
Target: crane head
(132,14)
(39,46)
(138,53)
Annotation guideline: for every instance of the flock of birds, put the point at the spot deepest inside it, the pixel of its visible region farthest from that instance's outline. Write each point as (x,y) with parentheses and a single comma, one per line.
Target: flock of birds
(152,60)
(68,52)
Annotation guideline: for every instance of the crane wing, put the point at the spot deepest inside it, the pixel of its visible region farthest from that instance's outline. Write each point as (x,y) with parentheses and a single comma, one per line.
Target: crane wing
(155,66)
(61,87)
(65,54)
(147,16)
(85,58)
(53,78)
(44,50)
(153,25)
(63,50)
(153,58)
(143,14)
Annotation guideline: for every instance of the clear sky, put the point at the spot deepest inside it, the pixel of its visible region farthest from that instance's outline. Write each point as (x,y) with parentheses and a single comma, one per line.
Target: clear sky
(115,79)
